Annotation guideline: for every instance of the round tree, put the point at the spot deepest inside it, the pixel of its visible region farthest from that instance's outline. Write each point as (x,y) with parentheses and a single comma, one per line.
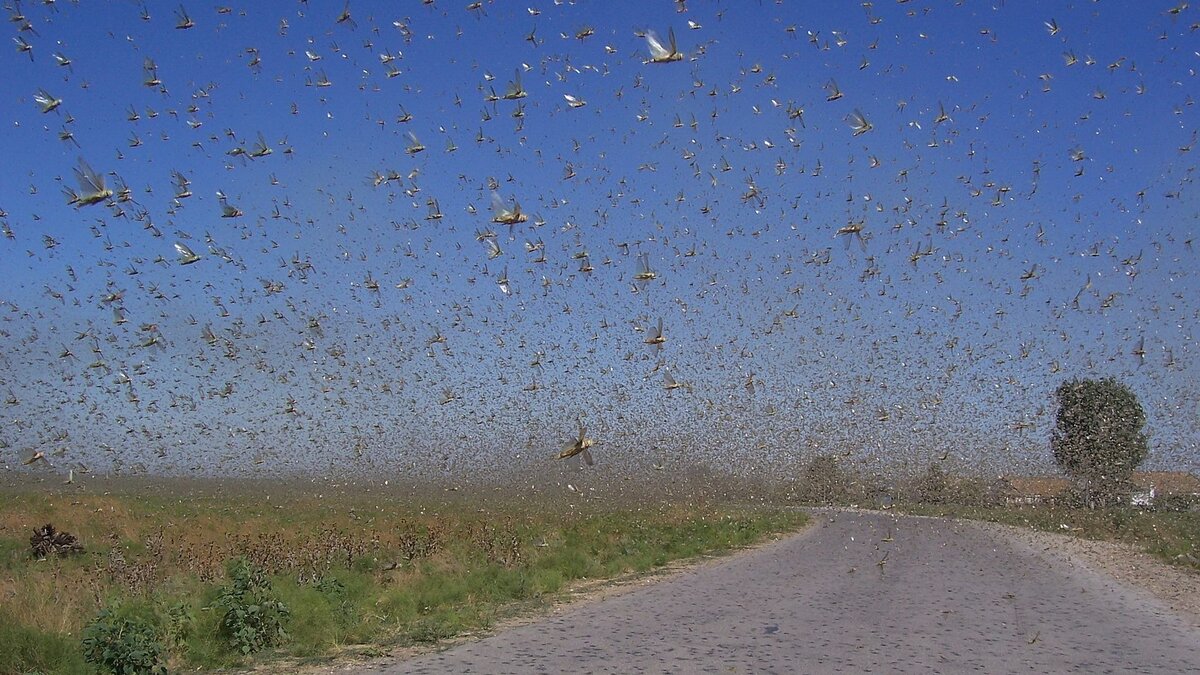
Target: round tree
(1098,438)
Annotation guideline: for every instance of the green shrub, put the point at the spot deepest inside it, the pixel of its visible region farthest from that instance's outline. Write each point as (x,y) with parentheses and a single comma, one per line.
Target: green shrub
(119,643)
(254,616)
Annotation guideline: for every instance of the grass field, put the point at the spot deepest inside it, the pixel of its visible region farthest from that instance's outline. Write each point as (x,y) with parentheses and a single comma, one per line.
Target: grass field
(1171,536)
(354,570)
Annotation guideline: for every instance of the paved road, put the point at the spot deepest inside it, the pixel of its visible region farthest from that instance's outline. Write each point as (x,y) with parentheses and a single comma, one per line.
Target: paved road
(950,597)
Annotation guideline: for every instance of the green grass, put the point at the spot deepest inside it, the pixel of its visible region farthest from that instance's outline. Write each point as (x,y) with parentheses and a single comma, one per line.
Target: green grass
(358,572)
(28,650)
(1171,536)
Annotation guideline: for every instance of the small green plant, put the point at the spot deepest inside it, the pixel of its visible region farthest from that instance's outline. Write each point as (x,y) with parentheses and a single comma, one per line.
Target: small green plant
(178,626)
(336,594)
(331,588)
(118,643)
(254,616)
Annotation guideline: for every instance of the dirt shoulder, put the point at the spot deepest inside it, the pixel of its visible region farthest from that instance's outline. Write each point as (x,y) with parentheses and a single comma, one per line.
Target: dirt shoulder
(1176,588)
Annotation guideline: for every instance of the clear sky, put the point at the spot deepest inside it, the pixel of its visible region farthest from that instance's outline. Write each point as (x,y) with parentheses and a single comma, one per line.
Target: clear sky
(1022,179)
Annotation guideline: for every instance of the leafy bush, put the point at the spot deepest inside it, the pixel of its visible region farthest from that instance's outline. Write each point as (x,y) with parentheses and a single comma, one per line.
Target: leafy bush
(118,643)
(1098,437)
(254,616)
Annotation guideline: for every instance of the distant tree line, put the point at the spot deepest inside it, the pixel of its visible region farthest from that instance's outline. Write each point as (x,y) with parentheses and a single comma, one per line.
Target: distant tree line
(1098,441)
(827,480)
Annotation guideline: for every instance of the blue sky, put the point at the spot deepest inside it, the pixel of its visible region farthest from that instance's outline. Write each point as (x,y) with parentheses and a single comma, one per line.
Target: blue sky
(1037,231)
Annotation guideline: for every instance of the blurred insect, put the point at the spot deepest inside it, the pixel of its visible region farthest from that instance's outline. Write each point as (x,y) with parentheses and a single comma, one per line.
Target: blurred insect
(835,92)
(186,255)
(23,46)
(151,70)
(504,214)
(345,18)
(46,100)
(228,210)
(515,90)
(580,445)
(853,230)
(184,21)
(656,338)
(670,384)
(942,115)
(858,122)
(659,53)
(414,145)
(182,185)
(749,383)
(503,283)
(260,149)
(644,272)
(435,209)
(92,185)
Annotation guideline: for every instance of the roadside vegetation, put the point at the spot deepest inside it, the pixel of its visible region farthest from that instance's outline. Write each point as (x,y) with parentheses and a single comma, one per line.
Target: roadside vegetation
(1170,529)
(1098,441)
(232,580)
(1171,536)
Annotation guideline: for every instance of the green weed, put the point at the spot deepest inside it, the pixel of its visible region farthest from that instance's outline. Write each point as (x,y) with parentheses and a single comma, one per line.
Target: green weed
(125,643)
